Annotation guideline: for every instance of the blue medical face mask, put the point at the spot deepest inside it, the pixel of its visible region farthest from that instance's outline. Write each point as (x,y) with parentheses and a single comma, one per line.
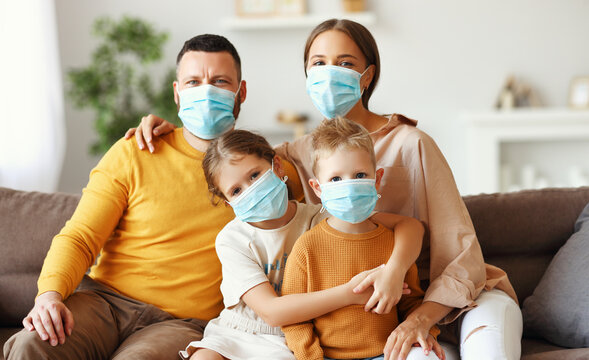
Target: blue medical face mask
(350,200)
(265,199)
(334,90)
(207,111)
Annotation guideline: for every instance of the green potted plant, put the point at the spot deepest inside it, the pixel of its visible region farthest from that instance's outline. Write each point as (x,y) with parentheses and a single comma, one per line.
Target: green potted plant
(117,84)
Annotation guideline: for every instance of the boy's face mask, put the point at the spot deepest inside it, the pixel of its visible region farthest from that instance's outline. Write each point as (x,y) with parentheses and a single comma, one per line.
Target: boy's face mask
(265,199)
(334,90)
(207,111)
(350,200)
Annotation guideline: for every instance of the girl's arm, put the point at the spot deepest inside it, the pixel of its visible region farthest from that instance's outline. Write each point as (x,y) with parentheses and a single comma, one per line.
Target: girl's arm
(151,125)
(295,308)
(388,283)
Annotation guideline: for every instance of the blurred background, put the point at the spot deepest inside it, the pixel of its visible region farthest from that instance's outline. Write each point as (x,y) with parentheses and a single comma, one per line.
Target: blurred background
(500,85)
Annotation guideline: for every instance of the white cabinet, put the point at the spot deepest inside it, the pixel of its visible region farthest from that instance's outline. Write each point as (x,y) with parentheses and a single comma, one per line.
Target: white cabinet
(526,148)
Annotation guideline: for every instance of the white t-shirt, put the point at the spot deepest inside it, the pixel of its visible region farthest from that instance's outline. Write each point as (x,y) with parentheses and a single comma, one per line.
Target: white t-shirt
(250,256)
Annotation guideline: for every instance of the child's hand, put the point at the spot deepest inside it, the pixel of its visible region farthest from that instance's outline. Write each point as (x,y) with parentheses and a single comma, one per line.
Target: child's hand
(361,297)
(388,288)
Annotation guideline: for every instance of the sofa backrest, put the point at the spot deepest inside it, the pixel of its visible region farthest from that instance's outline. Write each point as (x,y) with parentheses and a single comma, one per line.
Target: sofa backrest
(520,232)
(28,222)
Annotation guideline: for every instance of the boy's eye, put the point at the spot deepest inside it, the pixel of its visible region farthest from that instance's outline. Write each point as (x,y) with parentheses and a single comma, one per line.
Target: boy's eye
(235,191)
(335,178)
(361,175)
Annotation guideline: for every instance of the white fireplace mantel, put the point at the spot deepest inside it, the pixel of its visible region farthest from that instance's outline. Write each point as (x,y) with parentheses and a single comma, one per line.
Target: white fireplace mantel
(488,132)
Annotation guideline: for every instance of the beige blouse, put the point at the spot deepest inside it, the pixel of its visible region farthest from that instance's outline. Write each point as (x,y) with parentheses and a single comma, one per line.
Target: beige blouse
(418,182)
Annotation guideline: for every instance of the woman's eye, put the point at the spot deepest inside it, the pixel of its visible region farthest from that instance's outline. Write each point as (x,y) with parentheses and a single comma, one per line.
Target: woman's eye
(361,175)
(336,178)
(318,63)
(235,192)
(346,64)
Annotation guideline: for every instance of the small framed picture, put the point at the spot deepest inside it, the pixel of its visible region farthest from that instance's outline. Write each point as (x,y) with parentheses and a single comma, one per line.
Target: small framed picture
(255,7)
(291,7)
(579,93)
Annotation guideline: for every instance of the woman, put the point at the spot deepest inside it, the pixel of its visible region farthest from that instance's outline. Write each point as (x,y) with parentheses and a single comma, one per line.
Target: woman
(343,66)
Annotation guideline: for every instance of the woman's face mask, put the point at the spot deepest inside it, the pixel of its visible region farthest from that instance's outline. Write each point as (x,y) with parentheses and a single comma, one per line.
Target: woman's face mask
(334,90)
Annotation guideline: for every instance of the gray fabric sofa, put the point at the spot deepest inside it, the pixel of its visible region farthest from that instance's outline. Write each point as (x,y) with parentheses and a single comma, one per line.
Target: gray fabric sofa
(519,232)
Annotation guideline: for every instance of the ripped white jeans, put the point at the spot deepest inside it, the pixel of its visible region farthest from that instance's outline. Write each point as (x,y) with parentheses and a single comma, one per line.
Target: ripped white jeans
(492,330)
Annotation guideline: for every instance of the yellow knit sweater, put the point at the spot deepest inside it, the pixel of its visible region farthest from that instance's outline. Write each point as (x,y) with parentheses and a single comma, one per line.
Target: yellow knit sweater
(150,218)
(324,257)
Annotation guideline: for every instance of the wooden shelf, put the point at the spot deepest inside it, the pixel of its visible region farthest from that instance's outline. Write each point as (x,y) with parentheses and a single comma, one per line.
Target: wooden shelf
(293,22)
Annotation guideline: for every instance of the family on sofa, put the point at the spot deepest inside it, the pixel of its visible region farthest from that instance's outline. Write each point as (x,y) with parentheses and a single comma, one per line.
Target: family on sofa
(147,227)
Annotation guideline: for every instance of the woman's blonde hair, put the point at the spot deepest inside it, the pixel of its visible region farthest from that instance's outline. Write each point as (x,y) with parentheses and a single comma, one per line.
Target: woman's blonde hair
(361,36)
(227,147)
(340,133)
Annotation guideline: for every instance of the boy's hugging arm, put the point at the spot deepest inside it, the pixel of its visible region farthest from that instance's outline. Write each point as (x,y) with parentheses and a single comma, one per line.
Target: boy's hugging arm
(301,337)
(409,303)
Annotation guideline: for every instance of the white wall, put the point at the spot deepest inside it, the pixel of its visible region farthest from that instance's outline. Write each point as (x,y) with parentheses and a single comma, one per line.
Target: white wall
(440,58)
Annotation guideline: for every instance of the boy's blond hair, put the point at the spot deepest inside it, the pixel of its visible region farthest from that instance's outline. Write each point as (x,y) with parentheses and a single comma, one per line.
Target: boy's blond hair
(340,133)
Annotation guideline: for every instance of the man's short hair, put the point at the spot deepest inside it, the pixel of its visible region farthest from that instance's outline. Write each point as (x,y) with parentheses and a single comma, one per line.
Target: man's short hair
(340,133)
(211,43)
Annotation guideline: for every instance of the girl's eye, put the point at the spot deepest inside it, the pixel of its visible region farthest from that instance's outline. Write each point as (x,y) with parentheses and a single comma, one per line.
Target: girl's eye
(254,175)
(336,178)
(235,191)
(361,175)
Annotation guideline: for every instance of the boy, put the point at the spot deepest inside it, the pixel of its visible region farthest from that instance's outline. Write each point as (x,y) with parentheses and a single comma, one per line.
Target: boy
(342,245)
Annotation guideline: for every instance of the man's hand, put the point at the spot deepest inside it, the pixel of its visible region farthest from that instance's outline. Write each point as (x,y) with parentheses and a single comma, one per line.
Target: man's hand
(150,126)
(51,318)
(388,288)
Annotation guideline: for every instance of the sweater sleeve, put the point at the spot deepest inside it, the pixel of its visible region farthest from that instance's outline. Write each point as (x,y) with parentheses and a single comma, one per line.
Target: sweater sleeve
(100,208)
(301,337)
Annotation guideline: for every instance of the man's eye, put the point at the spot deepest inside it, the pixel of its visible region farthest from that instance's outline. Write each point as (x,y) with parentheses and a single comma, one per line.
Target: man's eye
(192,82)
(361,175)
(336,178)
(221,81)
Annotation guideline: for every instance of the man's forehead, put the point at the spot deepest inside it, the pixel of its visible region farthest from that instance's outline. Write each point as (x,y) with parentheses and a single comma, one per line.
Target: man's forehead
(197,62)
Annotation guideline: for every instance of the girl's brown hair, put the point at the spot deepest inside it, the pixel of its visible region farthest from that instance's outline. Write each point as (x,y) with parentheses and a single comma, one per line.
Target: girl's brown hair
(228,147)
(362,37)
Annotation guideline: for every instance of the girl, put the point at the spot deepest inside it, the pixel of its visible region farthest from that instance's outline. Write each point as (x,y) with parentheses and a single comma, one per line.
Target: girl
(242,169)
(342,63)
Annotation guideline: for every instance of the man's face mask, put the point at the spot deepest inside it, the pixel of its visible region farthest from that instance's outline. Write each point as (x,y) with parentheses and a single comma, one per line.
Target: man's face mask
(207,111)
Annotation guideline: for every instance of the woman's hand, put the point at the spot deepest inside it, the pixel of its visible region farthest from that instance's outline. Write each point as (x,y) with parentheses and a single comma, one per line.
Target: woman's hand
(406,335)
(151,125)
(388,288)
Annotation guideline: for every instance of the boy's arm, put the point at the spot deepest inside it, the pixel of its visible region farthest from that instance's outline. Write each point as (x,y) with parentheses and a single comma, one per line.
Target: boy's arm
(300,338)
(298,307)
(388,283)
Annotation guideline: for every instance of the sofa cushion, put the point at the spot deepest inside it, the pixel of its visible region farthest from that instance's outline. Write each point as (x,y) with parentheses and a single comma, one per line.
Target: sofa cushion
(558,309)
(29,221)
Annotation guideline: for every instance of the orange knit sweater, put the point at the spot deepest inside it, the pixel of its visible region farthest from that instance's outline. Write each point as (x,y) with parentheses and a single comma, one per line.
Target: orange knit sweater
(323,258)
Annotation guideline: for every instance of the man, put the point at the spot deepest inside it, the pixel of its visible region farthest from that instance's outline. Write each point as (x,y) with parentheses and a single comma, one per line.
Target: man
(149,217)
